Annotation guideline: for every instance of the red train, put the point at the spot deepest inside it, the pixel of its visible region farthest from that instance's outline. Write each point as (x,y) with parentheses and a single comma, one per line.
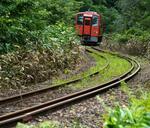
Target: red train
(89,27)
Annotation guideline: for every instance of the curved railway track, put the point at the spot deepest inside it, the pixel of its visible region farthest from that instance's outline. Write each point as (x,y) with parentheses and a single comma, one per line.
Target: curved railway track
(69,98)
(53,87)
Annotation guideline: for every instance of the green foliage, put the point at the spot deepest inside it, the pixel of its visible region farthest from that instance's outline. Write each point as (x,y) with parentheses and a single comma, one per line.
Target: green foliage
(133,34)
(20,125)
(32,43)
(51,124)
(31,27)
(133,41)
(17,22)
(46,124)
(57,49)
(22,21)
(120,15)
(135,116)
(58,37)
(135,13)
(126,89)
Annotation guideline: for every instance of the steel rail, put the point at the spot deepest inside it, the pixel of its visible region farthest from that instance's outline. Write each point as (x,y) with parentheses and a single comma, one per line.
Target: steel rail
(53,87)
(72,97)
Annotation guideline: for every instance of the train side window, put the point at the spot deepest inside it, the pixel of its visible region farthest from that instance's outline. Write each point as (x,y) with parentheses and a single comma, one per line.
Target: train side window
(95,21)
(80,19)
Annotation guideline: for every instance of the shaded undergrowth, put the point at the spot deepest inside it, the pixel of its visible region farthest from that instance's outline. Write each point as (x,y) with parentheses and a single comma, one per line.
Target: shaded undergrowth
(135,115)
(37,62)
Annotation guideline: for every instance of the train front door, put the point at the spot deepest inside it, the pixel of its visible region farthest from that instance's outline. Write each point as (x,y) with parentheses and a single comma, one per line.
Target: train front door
(87,26)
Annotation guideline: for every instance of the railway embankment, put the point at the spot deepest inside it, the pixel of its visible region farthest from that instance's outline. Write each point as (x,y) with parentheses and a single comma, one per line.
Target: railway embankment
(112,75)
(89,113)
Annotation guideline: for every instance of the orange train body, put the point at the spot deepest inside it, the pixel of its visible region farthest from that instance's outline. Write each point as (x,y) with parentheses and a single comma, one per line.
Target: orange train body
(88,26)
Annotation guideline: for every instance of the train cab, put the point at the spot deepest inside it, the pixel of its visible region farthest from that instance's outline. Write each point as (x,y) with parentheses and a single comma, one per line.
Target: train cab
(88,26)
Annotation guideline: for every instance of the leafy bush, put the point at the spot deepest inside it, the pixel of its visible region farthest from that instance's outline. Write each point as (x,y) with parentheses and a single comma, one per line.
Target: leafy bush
(59,37)
(32,47)
(56,50)
(22,21)
(132,41)
(135,116)
(131,34)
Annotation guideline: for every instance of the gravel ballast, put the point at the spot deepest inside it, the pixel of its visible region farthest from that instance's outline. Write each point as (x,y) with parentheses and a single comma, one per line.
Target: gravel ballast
(90,112)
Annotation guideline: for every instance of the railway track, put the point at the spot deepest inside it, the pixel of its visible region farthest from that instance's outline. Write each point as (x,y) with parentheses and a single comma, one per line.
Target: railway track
(26,113)
(53,87)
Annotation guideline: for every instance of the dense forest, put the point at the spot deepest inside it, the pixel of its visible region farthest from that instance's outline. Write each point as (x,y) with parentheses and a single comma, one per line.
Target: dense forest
(23,22)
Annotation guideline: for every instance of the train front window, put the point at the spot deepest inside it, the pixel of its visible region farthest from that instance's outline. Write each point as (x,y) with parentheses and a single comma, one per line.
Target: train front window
(95,21)
(87,22)
(80,19)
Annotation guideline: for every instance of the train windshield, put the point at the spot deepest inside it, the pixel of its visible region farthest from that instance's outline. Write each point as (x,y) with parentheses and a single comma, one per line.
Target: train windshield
(80,19)
(87,22)
(95,21)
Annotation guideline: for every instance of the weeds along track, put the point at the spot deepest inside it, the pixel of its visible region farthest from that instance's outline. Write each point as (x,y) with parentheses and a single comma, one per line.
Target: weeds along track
(55,86)
(34,98)
(57,96)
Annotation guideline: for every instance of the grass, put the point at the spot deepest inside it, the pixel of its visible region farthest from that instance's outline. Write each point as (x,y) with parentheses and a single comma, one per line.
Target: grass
(117,67)
(45,124)
(100,63)
(52,124)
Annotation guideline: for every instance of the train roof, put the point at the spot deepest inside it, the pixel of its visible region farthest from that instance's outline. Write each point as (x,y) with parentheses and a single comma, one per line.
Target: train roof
(88,13)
